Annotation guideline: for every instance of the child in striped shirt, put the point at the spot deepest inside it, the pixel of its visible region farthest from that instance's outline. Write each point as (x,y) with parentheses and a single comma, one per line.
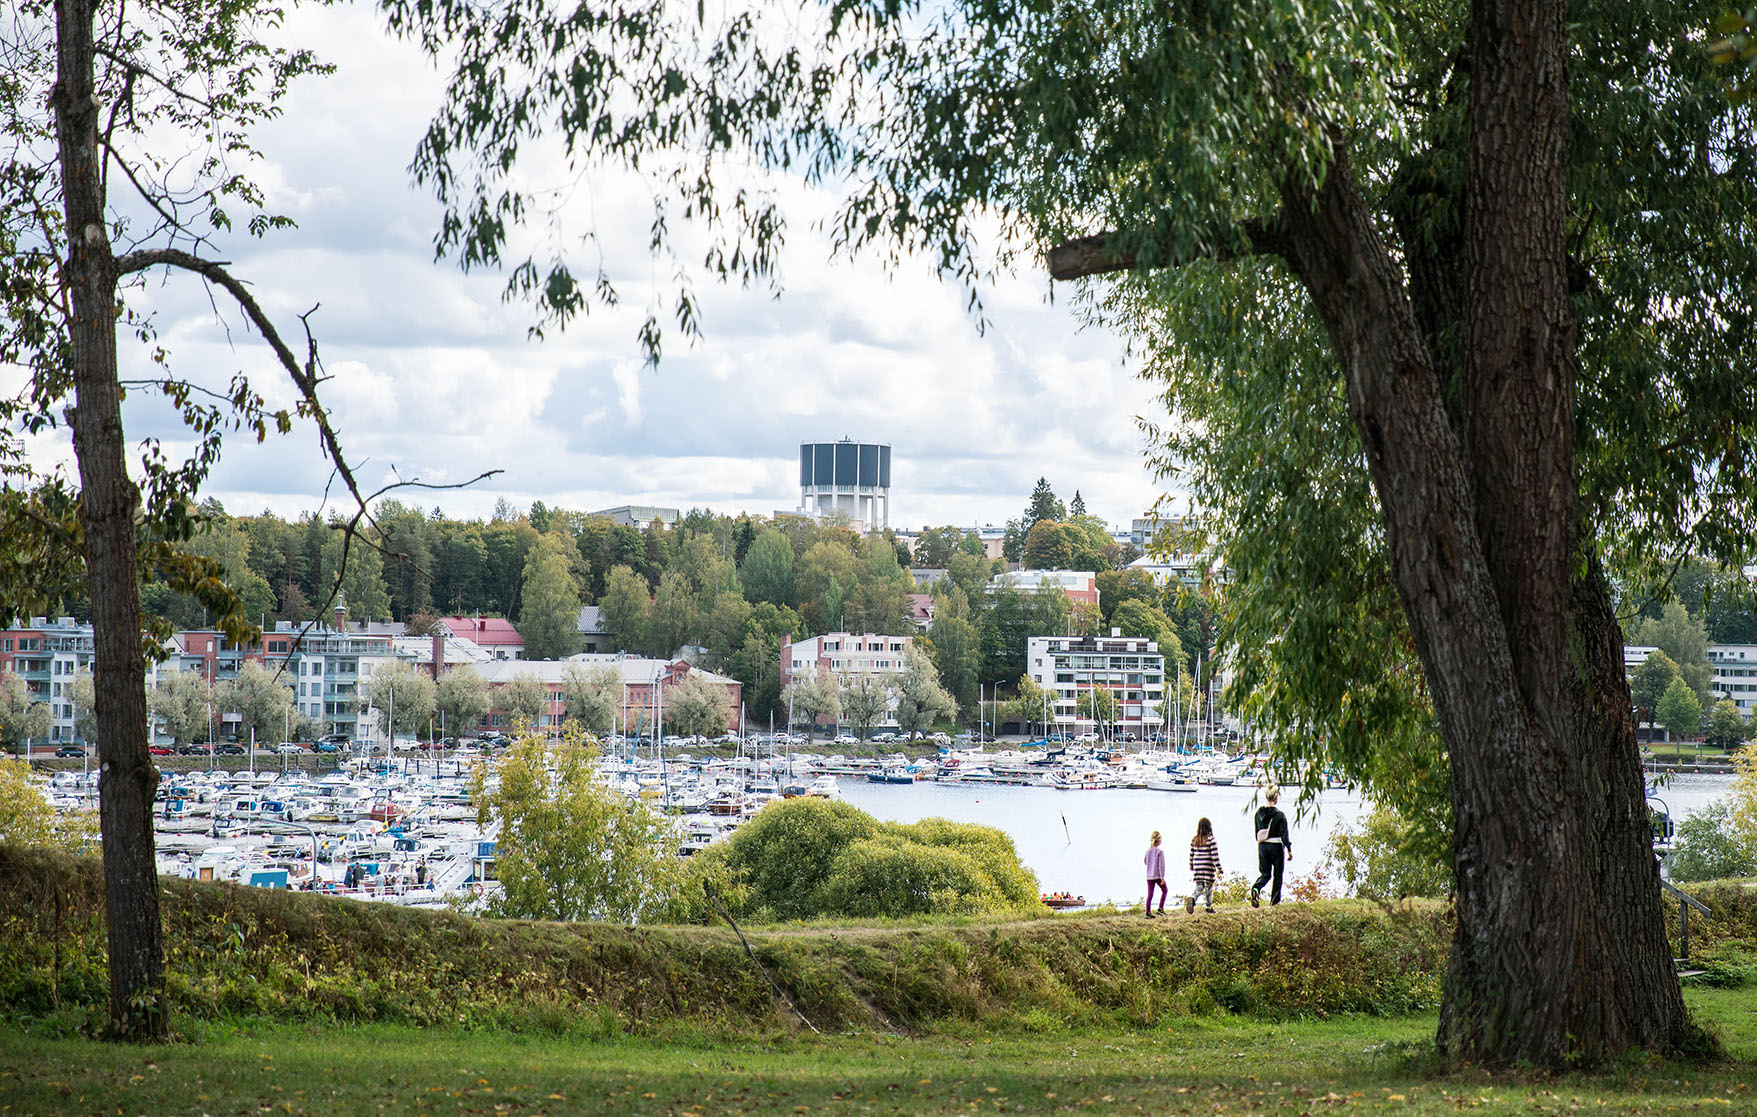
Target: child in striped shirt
(1204,866)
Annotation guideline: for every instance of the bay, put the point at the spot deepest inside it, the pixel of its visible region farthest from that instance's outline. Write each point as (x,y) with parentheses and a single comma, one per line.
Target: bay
(1090,843)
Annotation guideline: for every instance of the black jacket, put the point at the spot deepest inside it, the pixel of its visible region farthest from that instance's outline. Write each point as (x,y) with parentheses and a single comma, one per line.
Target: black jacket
(1272,820)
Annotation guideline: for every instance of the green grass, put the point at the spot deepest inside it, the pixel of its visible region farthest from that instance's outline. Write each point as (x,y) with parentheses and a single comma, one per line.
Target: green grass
(1195,1065)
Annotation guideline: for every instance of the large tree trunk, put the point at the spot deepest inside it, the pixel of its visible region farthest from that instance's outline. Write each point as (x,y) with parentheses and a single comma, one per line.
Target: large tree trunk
(127,780)
(1560,954)
(1541,969)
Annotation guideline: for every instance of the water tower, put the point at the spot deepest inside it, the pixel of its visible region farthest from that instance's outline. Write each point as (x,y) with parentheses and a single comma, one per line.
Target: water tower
(850,477)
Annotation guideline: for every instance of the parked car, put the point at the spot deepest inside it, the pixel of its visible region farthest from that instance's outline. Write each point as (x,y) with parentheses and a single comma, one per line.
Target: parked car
(159,750)
(231,750)
(289,748)
(70,751)
(193,749)
(327,745)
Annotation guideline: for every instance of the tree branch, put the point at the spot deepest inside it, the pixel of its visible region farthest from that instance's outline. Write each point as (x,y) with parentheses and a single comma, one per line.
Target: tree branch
(1085,256)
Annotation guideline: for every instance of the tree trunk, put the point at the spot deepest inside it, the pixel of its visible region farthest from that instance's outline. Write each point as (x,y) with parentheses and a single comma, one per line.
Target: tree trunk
(127,779)
(1560,954)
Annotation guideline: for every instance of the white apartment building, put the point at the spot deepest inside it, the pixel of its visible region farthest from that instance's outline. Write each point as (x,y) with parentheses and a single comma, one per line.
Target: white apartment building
(1734,668)
(1130,667)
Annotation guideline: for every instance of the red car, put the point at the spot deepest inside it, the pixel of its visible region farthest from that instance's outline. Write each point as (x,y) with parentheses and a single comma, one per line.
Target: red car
(159,750)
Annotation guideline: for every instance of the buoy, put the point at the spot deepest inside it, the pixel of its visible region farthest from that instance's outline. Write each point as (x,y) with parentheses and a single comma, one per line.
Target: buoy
(475,889)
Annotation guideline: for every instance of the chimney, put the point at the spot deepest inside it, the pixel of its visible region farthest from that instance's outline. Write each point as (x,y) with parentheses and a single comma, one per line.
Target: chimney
(341,617)
(439,655)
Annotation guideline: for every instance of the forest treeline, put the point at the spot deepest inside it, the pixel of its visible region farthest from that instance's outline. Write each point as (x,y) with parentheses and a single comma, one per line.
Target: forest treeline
(734,586)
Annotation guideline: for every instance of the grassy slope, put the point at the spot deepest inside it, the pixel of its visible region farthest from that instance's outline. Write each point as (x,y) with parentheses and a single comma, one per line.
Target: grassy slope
(1248,1012)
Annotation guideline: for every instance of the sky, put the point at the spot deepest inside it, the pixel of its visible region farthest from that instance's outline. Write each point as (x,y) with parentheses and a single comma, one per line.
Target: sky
(433,376)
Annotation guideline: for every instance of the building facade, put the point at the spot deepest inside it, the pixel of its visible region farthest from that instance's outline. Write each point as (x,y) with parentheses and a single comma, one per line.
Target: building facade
(1131,668)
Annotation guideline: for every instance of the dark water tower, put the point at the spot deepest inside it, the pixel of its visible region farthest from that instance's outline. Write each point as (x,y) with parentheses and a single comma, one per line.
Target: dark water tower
(850,477)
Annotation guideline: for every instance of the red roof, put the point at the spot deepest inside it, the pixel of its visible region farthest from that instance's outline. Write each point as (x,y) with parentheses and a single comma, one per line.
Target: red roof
(487,632)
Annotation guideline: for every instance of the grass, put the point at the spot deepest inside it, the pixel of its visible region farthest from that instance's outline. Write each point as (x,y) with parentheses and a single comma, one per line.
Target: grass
(1195,1065)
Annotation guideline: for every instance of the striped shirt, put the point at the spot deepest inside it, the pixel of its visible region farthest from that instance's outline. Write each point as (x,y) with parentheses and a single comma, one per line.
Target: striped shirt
(1204,860)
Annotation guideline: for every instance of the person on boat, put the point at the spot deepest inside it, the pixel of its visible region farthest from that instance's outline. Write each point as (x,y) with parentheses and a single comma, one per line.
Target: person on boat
(1204,866)
(1274,849)
(1155,862)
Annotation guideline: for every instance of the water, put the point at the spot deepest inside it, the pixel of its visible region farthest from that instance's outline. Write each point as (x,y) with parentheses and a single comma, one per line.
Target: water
(1090,842)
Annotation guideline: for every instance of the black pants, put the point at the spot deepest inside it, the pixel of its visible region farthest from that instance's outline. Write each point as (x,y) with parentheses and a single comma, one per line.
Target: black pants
(1271,861)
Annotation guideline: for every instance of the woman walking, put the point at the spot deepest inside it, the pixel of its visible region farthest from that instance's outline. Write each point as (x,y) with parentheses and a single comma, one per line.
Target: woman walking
(1155,862)
(1204,866)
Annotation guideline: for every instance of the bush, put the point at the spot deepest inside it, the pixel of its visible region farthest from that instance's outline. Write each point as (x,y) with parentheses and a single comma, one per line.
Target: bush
(812,858)
(1386,857)
(1709,847)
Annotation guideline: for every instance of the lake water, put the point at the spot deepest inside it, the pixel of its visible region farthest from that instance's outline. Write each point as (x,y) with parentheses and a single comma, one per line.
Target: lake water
(1090,842)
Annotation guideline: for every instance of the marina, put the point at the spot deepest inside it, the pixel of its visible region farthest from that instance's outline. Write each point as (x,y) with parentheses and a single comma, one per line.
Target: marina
(404,830)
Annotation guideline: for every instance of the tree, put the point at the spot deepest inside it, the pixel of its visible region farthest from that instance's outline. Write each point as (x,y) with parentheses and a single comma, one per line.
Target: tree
(921,700)
(1679,711)
(1650,681)
(1077,506)
(83,696)
(957,646)
(865,699)
(572,848)
(521,698)
(21,718)
(625,609)
(1043,505)
(1710,846)
(697,706)
(594,697)
(1352,224)
(1385,857)
(461,697)
(812,696)
(549,600)
(403,692)
(1682,637)
(358,567)
(182,700)
(1047,547)
(1031,704)
(1137,618)
(767,570)
(27,818)
(935,546)
(674,618)
(1726,727)
(261,698)
(93,89)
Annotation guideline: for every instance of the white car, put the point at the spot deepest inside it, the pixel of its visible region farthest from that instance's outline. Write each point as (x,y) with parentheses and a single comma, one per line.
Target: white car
(846,739)
(288,748)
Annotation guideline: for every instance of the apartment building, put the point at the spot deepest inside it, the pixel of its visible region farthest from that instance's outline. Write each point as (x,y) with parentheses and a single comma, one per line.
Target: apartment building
(1131,668)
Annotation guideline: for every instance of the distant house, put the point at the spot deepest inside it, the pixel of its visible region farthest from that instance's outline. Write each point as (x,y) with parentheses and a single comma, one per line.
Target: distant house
(1080,586)
(590,626)
(921,609)
(494,635)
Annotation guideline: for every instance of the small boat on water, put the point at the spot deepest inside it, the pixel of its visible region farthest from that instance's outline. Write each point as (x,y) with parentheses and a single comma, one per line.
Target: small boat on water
(1063,901)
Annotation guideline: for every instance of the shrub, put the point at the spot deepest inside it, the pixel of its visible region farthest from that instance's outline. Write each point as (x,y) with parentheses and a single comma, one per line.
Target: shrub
(1709,847)
(1386,857)
(812,858)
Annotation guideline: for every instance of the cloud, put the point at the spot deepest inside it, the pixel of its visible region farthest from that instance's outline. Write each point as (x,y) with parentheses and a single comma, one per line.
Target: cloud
(434,376)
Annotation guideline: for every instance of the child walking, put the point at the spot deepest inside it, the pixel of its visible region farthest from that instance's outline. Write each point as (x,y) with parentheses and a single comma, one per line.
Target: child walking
(1204,866)
(1155,862)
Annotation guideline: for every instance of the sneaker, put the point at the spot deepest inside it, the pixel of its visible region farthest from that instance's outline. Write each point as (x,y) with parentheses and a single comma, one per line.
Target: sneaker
(1190,905)
(1256,897)
(1209,909)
